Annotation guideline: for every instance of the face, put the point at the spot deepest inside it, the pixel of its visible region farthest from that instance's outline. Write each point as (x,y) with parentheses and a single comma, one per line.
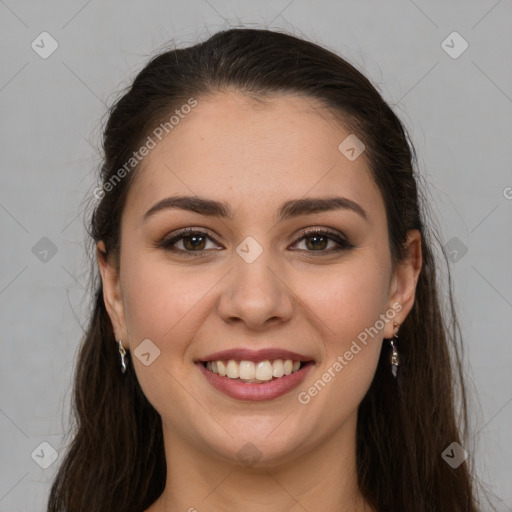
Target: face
(259,285)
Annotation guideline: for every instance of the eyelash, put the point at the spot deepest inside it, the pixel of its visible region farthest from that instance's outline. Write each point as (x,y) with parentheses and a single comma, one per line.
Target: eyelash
(343,243)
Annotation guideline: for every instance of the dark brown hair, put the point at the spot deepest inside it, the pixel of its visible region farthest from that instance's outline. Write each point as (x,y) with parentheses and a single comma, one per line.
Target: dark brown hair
(115,461)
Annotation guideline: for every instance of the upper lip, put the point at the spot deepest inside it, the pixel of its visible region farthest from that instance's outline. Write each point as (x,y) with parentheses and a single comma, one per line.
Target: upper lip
(244,354)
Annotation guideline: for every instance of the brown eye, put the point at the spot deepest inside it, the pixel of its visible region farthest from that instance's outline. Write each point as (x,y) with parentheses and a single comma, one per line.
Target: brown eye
(192,241)
(318,241)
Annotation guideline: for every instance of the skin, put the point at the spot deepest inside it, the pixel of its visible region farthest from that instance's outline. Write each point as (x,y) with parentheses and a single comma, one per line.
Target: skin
(254,157)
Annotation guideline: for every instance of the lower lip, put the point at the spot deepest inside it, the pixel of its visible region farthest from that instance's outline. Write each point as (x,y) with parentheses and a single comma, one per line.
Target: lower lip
(255,391)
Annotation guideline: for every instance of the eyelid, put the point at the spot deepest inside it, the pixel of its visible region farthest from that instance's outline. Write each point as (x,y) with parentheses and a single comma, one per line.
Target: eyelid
(168,241)
(342,241)
(319,230)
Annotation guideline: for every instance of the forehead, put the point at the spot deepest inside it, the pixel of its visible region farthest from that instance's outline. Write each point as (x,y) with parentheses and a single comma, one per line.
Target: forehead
(252,154)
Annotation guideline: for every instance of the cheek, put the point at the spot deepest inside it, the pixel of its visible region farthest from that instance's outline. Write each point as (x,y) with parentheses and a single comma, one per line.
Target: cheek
(162,304)
(343,304)
(158,297)
(350,298)
(350,304)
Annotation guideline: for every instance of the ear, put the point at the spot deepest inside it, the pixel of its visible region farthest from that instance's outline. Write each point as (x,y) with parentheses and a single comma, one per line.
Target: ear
(404,281)
(112,293)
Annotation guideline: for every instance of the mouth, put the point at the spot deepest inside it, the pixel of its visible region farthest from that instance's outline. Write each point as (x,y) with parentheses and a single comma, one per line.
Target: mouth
(249,375)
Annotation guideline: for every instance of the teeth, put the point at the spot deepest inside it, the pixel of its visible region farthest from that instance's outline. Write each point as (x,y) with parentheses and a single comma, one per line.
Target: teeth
(278,368)
(248,371)
(264,370)
(221,368)
(232,369)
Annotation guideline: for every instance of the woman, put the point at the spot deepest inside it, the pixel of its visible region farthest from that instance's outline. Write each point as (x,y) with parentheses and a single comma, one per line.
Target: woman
(267,332)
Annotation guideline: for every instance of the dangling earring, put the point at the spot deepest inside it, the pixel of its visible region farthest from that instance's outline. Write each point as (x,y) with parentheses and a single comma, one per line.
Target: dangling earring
(395,360)
(122,351)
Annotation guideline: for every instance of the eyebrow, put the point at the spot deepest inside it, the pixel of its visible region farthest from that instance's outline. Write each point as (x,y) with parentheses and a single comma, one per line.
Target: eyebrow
(289,209)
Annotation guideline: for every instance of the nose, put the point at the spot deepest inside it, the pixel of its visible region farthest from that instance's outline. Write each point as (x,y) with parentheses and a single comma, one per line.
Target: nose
(256,294)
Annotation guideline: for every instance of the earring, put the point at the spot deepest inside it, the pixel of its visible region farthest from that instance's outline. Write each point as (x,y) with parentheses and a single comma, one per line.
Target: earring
(395,360)
(122,351)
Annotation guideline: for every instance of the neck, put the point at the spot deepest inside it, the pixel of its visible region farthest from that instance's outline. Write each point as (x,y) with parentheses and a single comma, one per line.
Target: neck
(323,478)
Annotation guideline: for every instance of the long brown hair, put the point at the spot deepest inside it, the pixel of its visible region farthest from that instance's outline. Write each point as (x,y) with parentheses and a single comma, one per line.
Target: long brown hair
(115,460)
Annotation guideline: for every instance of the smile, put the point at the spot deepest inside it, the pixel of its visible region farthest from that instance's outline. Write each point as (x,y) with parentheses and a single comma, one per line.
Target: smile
(255,376)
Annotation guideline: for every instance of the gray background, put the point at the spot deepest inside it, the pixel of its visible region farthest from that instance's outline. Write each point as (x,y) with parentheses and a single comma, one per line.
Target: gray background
(458,111)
